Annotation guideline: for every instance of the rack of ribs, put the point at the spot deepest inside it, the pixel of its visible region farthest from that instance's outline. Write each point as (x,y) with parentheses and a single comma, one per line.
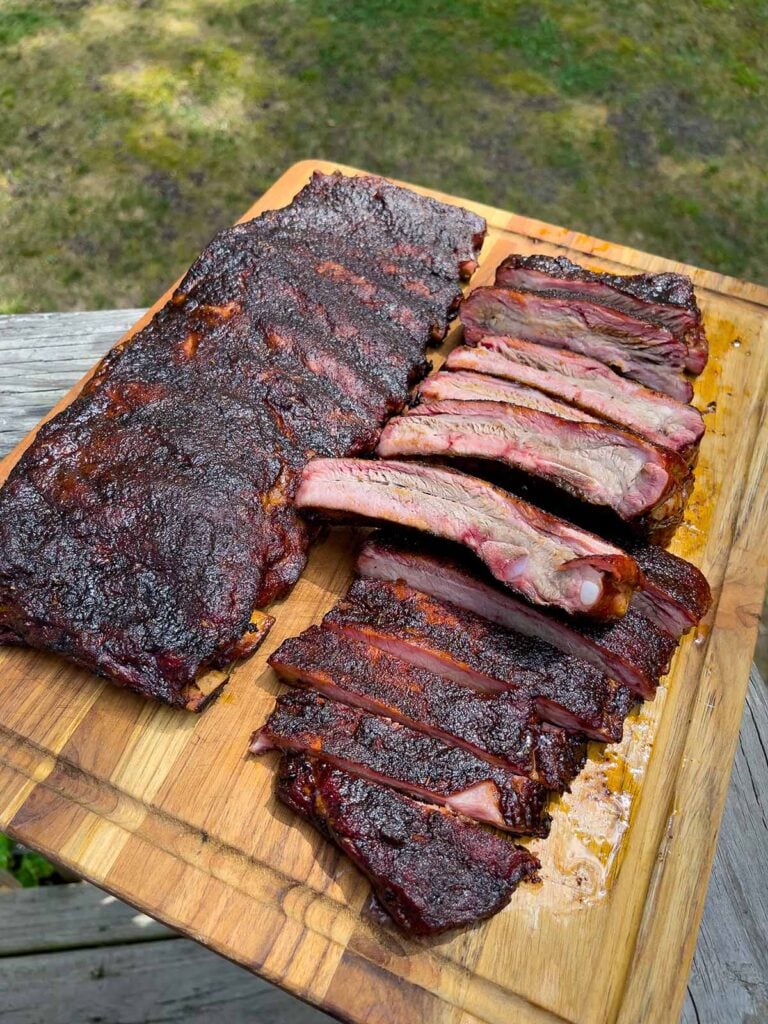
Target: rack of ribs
(147,521)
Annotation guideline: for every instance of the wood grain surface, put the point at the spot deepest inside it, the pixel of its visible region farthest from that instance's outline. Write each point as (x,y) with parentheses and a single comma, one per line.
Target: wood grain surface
(164,809)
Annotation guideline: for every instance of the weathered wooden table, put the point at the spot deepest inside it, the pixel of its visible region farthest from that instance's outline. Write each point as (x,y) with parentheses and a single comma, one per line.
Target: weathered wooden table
(41,356)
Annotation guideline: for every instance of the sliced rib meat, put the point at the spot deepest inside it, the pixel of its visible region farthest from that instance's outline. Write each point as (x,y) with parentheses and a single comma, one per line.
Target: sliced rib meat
(599,463)
(643,352)
(478,653)
(589,385)
(379,749)
(673,593)
(543,557)
(633,650)
(473,387)
(430,870)
(500,727)
(666,299)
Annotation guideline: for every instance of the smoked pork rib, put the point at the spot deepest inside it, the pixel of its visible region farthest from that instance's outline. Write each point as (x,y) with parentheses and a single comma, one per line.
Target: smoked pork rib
(385,751)
(475,652)
(674,593)
(651,355)
(501,727)
(633,650)
(543,557)
(589,385)
(463,386)
(147,521)
(666,299)
(601,464)
(430,870)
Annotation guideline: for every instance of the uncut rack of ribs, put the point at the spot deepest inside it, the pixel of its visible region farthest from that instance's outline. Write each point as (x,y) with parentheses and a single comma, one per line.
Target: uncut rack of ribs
(646,326)
(147,521)
(430,870)
(599,463)
(544,558)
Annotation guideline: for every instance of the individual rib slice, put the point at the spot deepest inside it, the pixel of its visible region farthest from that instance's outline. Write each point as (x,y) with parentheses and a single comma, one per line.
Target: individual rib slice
(599,463)
(475,652)
(501,727)
(431,870)
(473,387)
(673,593)
(589,385)
(665,299)
(633,650)
(647,354)
(543,557)
(385,751)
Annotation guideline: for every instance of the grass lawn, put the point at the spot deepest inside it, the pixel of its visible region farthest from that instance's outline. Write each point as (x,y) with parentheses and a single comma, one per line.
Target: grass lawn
(131,131)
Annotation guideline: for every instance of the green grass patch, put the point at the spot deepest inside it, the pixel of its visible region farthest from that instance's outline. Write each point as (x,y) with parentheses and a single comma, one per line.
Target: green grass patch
(131,132)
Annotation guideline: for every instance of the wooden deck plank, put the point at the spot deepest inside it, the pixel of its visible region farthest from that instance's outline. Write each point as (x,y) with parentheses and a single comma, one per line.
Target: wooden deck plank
(59,917)
(150,982)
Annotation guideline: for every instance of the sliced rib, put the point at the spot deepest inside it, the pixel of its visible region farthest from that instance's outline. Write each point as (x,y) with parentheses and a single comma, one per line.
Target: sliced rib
(649,354)
(589,385)
(601,464)
(632,650)
(500,727)
(430,870)
(473,387)
(379,749)
(666,299)
(673,593)
(543,557)
(471,650)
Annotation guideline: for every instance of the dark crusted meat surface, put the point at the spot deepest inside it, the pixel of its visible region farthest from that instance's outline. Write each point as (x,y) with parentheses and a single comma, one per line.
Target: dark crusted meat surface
(430,870)
(418,628)
(633,650)
(501,727)
(667,299)
(674,593)
(388,752)
(148,520)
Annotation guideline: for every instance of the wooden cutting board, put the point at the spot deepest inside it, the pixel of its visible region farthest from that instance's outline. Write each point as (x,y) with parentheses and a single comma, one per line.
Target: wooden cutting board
(165,810)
